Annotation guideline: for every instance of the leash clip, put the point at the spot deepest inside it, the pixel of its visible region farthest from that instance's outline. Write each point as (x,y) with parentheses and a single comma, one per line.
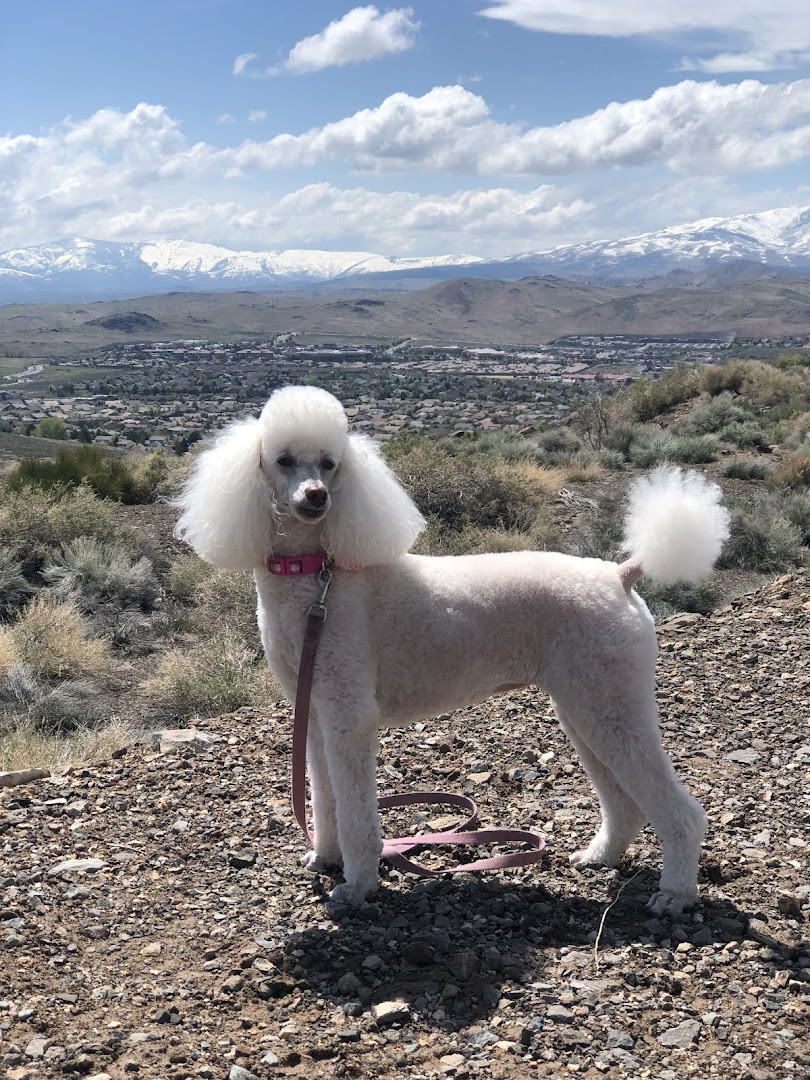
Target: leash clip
(318,609)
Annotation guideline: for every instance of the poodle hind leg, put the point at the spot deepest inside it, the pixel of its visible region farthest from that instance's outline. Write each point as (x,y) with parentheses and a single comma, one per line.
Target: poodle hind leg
(623,735)
(351,755)
(325,854)
(622,819)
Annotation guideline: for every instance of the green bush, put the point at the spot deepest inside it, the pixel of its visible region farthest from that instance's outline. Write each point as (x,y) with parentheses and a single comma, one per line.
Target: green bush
(748,468)
(14,589)
(599,533)
(652,447)
(694,449)
(34,522)
(218,675)
(713,415)
(106,474)
(648,398)
(667,600)
(51,427)
(95,574)
(762,540)
(68,706)
(466,491)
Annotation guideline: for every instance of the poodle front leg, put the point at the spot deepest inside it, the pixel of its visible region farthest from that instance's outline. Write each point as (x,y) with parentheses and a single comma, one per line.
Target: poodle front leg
(351,756)
(325,854)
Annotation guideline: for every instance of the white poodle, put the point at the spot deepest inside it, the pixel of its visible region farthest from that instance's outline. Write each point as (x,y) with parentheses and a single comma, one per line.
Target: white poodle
(411,636)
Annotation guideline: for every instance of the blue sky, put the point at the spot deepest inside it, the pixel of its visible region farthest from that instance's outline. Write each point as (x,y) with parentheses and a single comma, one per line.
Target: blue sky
(481,127)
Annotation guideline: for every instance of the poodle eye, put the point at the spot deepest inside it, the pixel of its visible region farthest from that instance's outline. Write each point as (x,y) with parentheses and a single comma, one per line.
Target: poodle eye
(327,464)
(286,461)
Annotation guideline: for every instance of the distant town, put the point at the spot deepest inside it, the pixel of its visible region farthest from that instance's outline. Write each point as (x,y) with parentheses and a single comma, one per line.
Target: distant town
(170,394)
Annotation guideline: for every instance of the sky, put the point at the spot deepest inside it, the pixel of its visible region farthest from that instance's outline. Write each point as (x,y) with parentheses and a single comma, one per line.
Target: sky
(437,127)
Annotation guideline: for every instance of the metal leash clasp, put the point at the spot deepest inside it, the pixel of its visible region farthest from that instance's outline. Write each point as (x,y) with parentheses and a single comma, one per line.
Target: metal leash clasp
(318,609)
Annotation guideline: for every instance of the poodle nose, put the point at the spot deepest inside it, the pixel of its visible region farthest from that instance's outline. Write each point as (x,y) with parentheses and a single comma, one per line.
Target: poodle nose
(316,495)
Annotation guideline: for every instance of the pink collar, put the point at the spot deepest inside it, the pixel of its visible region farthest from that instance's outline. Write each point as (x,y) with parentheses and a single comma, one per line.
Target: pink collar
(295,565)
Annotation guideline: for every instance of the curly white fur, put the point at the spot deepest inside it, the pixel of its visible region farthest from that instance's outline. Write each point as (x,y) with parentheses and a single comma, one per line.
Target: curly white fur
(410,636)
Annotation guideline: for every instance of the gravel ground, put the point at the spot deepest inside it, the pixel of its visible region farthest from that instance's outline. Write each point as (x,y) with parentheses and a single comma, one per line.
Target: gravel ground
(194,945)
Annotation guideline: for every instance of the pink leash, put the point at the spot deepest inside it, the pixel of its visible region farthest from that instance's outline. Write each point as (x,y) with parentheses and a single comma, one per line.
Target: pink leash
(394,849)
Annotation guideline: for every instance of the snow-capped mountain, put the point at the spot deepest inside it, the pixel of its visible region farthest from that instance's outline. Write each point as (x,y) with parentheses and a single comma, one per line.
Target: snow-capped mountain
(96,269)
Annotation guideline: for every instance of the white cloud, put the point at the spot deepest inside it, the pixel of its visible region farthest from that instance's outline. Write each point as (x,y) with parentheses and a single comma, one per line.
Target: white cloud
(760,35)
(362,34)
(241,62)
(699,126)
(256,116)
(129,175)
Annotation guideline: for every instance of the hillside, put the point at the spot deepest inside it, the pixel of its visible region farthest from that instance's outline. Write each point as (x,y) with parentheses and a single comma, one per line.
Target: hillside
(194,942)
(466,310)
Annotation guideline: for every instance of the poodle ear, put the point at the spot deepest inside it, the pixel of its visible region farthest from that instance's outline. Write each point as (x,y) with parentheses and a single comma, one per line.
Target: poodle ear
(226,502)
(372,520)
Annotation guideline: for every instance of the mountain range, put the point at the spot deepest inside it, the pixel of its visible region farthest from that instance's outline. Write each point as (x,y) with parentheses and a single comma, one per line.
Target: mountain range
(83,270)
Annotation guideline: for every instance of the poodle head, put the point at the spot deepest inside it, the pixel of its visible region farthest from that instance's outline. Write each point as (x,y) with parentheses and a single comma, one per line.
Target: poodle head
(296,473)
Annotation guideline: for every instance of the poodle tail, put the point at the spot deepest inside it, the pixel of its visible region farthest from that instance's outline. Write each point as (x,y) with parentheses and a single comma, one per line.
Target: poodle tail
(675,527)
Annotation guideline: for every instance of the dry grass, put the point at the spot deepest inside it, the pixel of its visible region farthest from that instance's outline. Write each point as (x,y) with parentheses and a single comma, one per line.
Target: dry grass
(217,675)
(53,640)
(546,478)
(793,472)
(26,746)
(8,652)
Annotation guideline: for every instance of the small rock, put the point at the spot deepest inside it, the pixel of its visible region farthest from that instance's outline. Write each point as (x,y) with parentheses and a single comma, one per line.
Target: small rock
(559,1014)
(789,905)
(171,739)
(238,1073)
(69,866)
(233,984)
(391,1012)
(419,952)
(241,860)
(22,776)
(464,964)
(748,756)
(682,1036)
(619,1039)
(349,984)
(37,1047)
(152,949)
(269,1058)
(372,963)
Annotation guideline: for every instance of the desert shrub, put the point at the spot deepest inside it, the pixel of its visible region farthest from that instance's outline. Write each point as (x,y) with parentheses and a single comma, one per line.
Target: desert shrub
(558,443)
(68,706)
(651,447)
(583,468)
(51,427)
(714,414)
(35,522)
(747,435)
(799,432)
(53,640)
(793,505)
(95,574)
(666,600)
(8,652)
(612,460)
(599,533)
(186,576)
(748,468)
(109,476)
(648,398)
(793,472)
(694,449)
(468,491)
(725,378)
(763,540)
(148,477)
(25,744)
(218,675)
(473,540)
(14,589)
(228,600)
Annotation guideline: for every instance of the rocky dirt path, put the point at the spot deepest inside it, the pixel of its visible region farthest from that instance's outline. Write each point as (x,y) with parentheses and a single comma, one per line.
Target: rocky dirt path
(186,941)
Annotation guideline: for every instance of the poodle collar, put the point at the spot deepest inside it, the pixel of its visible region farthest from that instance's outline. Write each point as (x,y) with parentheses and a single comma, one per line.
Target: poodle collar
(295,565)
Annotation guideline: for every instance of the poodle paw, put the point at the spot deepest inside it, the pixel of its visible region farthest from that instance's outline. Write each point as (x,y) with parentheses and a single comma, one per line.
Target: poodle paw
(593,855)
(672,901)
(347,895)
(319,864)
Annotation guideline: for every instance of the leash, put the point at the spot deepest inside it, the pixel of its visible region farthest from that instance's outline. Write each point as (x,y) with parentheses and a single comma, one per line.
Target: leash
(394,849)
